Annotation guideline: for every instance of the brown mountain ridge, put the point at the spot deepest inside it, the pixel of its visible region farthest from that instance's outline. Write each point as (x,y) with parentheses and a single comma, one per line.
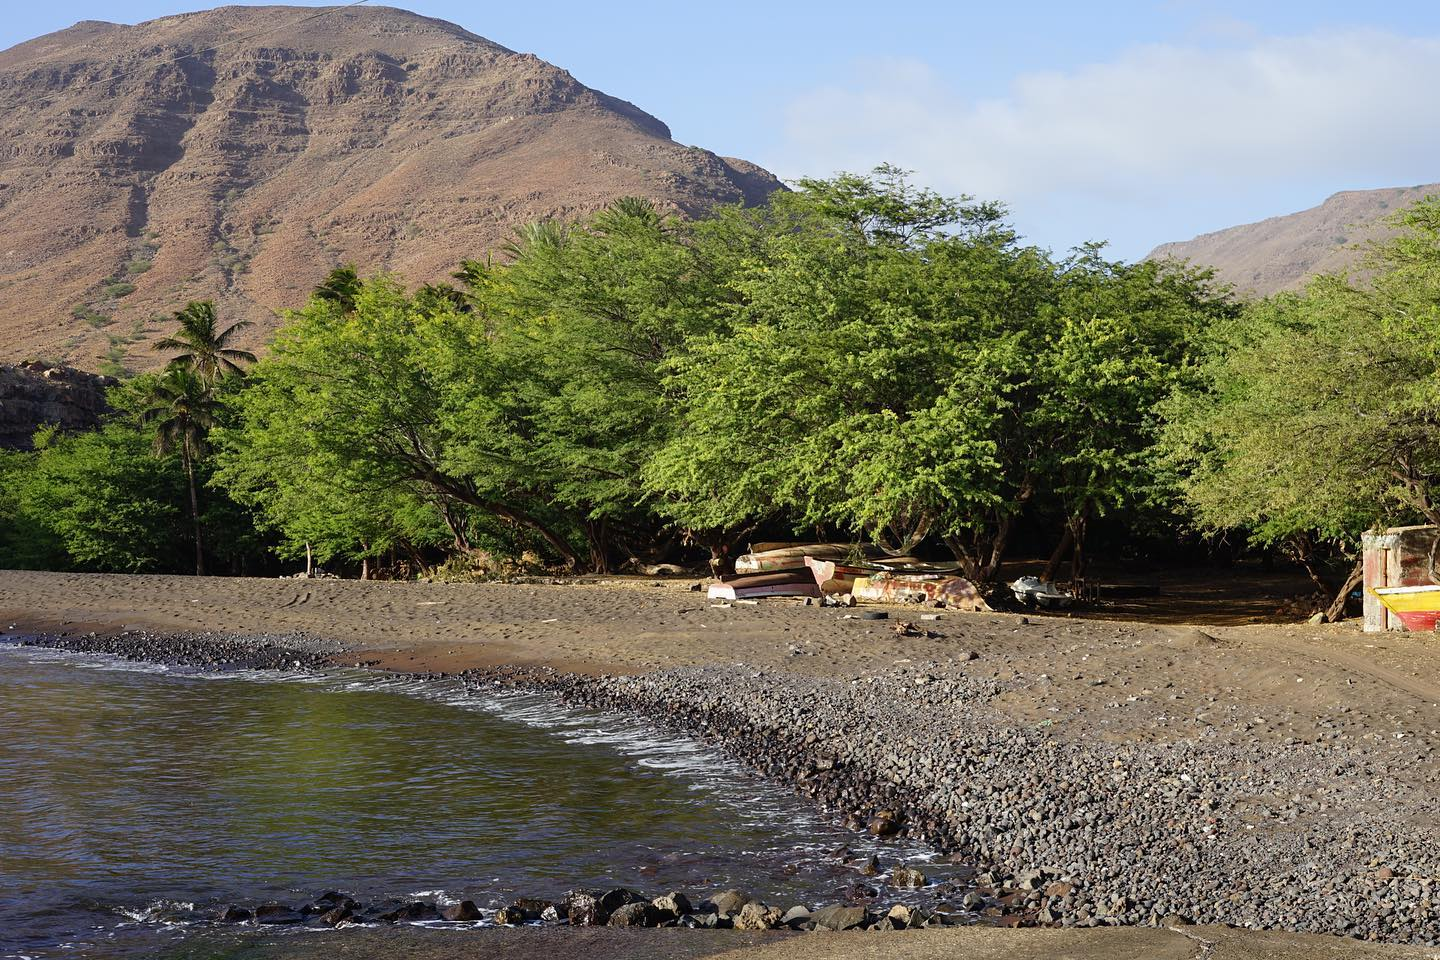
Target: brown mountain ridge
(1281,253)
(241,153)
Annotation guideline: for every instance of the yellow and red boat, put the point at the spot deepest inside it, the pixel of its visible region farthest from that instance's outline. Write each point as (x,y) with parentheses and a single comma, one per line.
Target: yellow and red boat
(1416,607)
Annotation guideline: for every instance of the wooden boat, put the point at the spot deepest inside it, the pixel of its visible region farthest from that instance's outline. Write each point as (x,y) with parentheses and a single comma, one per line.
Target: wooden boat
(782,583)
(783,557)
(1416,607)
(835,577)
(956,592)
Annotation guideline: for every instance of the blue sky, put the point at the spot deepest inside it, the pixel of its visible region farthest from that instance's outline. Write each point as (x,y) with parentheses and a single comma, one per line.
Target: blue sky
(1135,123)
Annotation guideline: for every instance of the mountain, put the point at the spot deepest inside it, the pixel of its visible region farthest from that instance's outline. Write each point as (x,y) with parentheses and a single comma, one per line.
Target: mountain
(1281,253)
(241,153)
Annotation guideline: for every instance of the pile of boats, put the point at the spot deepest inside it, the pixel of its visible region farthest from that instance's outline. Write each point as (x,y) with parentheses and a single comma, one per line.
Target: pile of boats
(845,573)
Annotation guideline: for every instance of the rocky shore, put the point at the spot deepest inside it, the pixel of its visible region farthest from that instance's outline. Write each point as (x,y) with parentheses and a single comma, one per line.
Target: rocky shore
(1336,835)
(620,907)
(1075,832)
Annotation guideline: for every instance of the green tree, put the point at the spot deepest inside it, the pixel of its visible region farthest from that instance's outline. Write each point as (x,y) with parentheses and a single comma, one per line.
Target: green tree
(99,500)
(204,349)
(180,408)
(1313,416)
(341,286)
(863,375)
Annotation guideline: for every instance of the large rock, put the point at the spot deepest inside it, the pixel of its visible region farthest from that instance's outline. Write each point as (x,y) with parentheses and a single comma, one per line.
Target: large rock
(463,912)
(757,916)
(672,905)
(582,908)
(639,914)
(35,394)
(412,912)
(839,918)
(729,902)
(277,913)
(903,876)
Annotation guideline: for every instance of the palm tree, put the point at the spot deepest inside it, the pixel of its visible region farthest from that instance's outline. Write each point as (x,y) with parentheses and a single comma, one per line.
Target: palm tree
(204,351)
(341,286)
(537,235)
(181,406)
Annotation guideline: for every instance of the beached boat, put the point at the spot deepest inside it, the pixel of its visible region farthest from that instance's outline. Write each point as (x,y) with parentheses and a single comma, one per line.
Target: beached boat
(836,577)
(781,583)
(781,557)
(955,592)
(1416,607)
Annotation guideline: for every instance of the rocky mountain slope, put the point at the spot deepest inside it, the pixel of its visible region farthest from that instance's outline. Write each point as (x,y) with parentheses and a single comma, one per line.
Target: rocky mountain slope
(1282,252)
(241,153)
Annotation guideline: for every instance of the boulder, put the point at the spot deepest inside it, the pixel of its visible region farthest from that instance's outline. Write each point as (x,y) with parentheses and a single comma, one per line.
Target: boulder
(582,908)
(277,913)
(337,915)
(729,902)
(233,914)
(757,916)
(463,912)
(508,917)
(637,914)
(673,905)
(839,918)
(796,918)
(903,876)
(531,908)
(619,897)
(414,911)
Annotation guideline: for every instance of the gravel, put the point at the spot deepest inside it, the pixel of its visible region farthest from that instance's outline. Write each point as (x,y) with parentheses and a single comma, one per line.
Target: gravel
(1327,837)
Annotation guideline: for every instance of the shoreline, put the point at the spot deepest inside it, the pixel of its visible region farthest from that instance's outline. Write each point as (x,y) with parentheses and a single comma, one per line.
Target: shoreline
(1328,833)
(750,717)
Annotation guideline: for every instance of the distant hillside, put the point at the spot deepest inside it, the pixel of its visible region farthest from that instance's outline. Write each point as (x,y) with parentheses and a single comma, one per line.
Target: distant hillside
(1282,252)
(134,177)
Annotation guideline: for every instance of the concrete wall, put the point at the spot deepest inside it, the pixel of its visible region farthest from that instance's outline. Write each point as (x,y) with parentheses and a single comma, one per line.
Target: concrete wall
(1399,557)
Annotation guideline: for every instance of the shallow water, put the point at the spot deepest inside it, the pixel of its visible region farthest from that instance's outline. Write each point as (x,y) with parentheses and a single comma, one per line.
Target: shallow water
(135,795)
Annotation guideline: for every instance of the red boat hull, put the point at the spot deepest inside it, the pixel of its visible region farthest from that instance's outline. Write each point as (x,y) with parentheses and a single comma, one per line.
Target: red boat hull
(1418,619)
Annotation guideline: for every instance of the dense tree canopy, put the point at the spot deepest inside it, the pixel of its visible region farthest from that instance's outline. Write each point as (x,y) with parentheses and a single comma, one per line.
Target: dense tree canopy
(1312,416)
(860,358)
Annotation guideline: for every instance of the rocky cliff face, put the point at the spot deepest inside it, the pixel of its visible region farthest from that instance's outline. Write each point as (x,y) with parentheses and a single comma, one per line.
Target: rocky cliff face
(1281,253)
(34,394)
(241,153)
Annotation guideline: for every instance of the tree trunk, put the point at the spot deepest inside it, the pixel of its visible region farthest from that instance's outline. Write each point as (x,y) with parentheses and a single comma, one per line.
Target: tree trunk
(1078,523)
(1336,611)
(309,560)
(194,510)
(597,539)
(1057,556)
(365,561)
(981,558)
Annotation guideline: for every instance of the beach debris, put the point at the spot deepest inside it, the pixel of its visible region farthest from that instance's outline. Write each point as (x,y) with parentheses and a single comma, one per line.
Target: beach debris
(907,629)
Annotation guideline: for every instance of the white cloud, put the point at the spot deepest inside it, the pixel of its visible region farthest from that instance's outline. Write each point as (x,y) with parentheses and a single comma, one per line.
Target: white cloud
(1160,125)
